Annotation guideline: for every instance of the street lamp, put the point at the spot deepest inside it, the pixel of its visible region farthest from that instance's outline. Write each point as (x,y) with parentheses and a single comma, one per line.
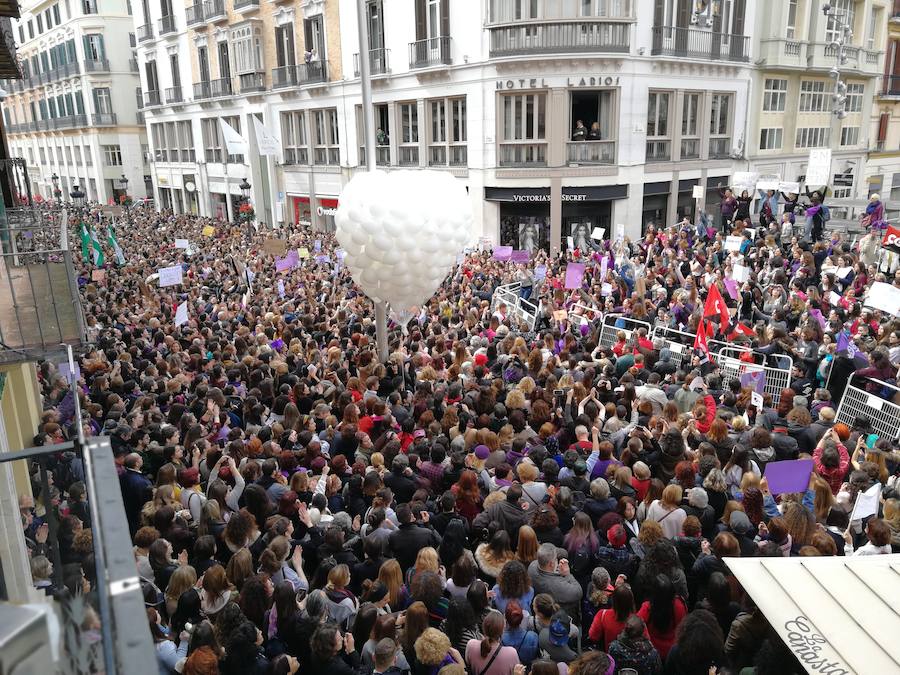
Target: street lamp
(77,195)
(245,209)
(124,198)
(844,36)
(57,193)
(245,190)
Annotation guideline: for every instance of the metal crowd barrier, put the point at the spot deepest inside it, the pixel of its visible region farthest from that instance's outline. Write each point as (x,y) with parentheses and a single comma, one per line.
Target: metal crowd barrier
(586,314)
(676,341)
(732,367)
(611,327)
(883,415)
(524,310)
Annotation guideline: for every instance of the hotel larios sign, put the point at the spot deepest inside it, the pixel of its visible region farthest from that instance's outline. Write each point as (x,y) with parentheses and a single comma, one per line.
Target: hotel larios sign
(541,82)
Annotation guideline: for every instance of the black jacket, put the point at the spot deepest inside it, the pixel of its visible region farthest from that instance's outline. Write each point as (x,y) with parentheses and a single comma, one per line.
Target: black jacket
(341,664)
(408,539)
(402,486)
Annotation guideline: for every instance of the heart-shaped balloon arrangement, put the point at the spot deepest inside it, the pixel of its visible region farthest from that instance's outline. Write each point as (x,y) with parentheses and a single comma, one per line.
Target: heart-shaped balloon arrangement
(402,232)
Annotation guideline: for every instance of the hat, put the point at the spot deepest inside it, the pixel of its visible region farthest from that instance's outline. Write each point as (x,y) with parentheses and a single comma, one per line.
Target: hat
(739,522)
(615,535)
(481,359)
(560,625)
(482,452)
(580,468)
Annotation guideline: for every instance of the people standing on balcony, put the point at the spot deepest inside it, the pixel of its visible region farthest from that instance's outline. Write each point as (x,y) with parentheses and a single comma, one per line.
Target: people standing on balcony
(381,138)
(580,133)
(727,207)
(594,134)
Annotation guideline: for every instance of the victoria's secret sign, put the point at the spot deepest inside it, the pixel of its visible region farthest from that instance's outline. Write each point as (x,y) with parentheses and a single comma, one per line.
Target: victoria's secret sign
(541,82)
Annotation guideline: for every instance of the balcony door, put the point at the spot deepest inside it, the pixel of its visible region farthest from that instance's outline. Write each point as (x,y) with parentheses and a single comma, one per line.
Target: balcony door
(284,45)
(224,61)
(203,63)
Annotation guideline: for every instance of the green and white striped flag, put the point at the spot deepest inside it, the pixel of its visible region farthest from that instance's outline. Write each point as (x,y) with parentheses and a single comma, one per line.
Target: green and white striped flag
(99,258)
(111,240)
(85,243)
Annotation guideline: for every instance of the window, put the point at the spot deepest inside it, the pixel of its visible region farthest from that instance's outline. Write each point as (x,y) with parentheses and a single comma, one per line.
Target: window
(88,157)
(30,31)
(112,155)
(77,149)
(409,133)
(374,24)
(849,135)
(447,132)
(872,27)
(93,47)
(846,10)
(812,96)
(791,28)
(433,18)
(594,141)
(40,23)
(658,143)
(158,135)
(523,128)
(246,49)
(855,97)
(720,114)
(211,139)
(68,155)
(79,103)
(326,148)
(185,140)
(59,155)
(176,71)
(43,155)
(690,125)
(314,38)
(48,18)
(812,137)
(145,149)
(88,6)
(774,95)
(284,45)
(294,140)
(132,40)
(102,101)
(234,121)
(203,63)
(21,35)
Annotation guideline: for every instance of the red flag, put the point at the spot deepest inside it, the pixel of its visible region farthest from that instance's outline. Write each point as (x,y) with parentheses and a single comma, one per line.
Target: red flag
(700,341)
(739,329)
(715,306)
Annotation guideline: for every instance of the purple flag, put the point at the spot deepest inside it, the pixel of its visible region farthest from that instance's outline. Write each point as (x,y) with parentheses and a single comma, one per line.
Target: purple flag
(574,275)
(788,476)
(64,371)
(66,409)
(288,262)
(843,341)
(817,315)
(520,256)
(502,252)
(540,272)
(755,379)
(604,266)
(731,287)
(317,245)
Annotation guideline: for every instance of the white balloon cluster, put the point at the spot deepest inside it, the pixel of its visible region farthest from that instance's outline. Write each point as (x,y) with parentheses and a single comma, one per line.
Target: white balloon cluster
(402,232)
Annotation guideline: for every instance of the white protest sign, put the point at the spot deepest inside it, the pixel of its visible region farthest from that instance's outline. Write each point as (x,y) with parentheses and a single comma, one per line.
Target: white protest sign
(789,187)
(768,181)
(597,233)
(571,243)
(884,297)
(842,272)
(733,243)
(181,314)
(697,192)
(676,348)
(818,168)
(280,288)
(606,289)
(170,276)
(756,399)
(740,273)
(834,298)
(744,180)
(182,243)
(620,231)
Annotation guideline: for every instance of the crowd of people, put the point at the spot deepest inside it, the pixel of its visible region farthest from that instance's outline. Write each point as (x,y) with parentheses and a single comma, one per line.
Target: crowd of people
(494,499)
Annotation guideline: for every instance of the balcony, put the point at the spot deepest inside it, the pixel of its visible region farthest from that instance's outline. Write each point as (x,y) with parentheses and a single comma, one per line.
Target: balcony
(194,15)
(245,5)
(891,86)
(174,95)
(151,98)
(213,88)
(214,10)
(430,52)
(382,155)
(560,37)
(720,148)
(252,82)
(167,25)
(378,62)
(70,122)
(304,73)
(133,66)
(818,56)
(96,65)
(523,154)
(104,119)
(591,152)
(437,155)
(145,33)
(690,148)
(139,117)
(62,71)
(409,155)
(695,43)
(659,151)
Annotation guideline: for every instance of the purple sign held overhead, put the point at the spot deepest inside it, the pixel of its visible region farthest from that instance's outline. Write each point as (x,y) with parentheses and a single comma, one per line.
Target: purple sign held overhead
(574,275)
(288,262)
(789,476)
(755,379)
(520,256)
(731,287)
(503,252)
(540,272)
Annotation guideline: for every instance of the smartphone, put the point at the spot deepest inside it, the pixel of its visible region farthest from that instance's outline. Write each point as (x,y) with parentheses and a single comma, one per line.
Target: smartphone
(559,393)
(301,595)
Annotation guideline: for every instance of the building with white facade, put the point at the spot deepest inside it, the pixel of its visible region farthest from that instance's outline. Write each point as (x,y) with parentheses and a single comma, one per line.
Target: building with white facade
(492,92)
(73,114)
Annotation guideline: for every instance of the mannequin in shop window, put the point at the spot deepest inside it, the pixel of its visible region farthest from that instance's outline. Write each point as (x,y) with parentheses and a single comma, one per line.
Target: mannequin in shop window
(580,133)
(594,134)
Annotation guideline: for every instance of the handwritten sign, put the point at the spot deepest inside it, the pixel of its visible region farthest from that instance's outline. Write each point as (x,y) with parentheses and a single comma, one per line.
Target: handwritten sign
(170,276)
(520,257)
(98,275)
(598,233)
(574,275)
(733,243)
(181,314)
(560,315)
(209,231)
(740,273)
(182,243)
(275,246)
(697,192)
(503,252)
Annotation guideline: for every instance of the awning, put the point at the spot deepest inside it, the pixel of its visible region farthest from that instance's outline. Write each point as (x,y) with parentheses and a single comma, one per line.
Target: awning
(837,614)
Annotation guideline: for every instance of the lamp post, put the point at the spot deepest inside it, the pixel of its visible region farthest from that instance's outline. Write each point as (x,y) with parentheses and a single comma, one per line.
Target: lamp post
(57,193)
(77,196)
(124,183)
(844,36)
(245,210)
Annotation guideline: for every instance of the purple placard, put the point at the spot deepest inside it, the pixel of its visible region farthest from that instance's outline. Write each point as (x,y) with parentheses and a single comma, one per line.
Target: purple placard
(322,259)
(817,315)
(288,262)
(574,275)
(731,287)
(317,245)
(604,267)
(66,373)
(520,256)
(503,252)
(755,379)
(540,272)
(791,475)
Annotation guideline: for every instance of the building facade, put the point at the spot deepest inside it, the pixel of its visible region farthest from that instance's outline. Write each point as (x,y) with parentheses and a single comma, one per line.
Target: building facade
(559,116)
(883,167)
(73,114)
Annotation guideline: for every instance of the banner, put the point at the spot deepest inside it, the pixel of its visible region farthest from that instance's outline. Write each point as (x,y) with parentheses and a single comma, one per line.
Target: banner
(503,252)
(266,141)
(818,168)
(789,187)
(521,257)
(892,239)
(234,142)
(170,276)
(744,180)
(769,181)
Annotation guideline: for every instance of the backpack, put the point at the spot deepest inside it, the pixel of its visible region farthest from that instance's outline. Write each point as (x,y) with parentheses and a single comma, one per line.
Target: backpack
(826,213)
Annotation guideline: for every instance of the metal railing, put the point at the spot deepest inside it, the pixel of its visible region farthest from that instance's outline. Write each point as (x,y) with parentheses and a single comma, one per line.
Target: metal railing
(525,311)
(659,151)
(145,32)
(522,154)
(408,155)
(104,119)
(591,152)
(693,43)
(245,4)
(213,88)
(560,37)
(63,70)
(151,98)
(430,52)
(378,62)
(174,95)
(382,155)
(214,10)
(891,85)
(858,403)
(167,25)
(438,155)
(300,74)
(615,323)
(251,82)
(194,14)
(96,65)
(133,66)
(720,148)
(690,148)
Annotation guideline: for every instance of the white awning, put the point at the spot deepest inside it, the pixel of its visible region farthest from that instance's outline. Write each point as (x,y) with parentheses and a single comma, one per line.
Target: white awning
(837,614)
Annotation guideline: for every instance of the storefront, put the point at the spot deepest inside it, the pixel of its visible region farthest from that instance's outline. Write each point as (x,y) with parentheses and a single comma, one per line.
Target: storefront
(302,211)
(325,213)
(321,219)
(656,204)
(525,221)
